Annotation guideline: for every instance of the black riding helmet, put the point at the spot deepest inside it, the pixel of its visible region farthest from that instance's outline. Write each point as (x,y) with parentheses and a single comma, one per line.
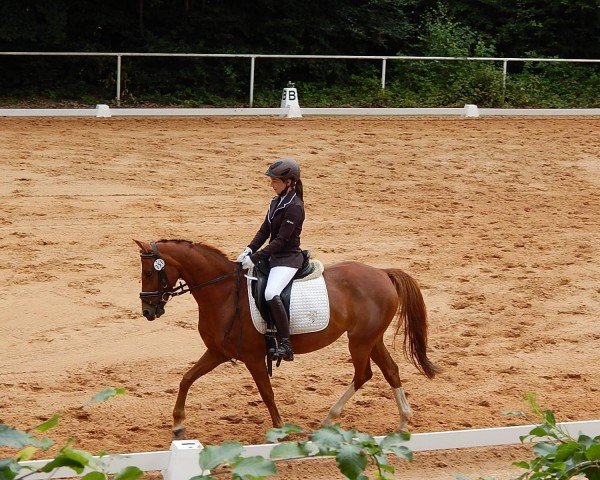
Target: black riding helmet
(285,169)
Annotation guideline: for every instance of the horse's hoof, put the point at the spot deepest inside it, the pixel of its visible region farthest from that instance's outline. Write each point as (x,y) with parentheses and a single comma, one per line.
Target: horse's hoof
(402,428)
(178,432)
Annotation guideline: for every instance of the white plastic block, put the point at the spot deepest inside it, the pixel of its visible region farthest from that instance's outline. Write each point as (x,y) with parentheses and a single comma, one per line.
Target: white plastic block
(102,110)
(471,111)
(183,463)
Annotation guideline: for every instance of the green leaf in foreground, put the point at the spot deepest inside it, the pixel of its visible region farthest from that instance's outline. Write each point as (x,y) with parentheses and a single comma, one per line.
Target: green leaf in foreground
(587,441)
(288,450)
(544,449)
(394,439)
(72,458)
(351,461)
(14,438)
(566,450)
(252,467)
(394,443)
(81,456)
(327,439)
(276,434)
(26,453)
(531,398)
(549,416)
(129,473)
(402,452)
(9,468)
(557,454)
(539,431)
(48,424)
(593,452)
(213,455)
(62,461)
(591,470)
(94,476)
(364,439)
(106,394)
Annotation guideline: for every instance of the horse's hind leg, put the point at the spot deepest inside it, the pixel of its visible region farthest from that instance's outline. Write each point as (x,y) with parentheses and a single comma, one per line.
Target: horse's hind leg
(381,356)
(336,410)
(207,362)
(362,373)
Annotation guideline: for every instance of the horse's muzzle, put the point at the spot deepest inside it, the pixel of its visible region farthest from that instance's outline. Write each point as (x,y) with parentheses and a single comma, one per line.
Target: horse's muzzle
(151,312)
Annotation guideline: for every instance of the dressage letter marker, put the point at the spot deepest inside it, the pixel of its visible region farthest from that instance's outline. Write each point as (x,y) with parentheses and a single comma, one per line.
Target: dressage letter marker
(289,100)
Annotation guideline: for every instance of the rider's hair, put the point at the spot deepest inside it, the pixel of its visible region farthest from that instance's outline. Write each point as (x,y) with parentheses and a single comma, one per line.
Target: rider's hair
(299,189)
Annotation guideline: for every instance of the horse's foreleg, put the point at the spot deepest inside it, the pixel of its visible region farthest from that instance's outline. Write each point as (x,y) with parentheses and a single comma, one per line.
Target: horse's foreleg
(381,356)
(207,362)
(258,370)
(362,373)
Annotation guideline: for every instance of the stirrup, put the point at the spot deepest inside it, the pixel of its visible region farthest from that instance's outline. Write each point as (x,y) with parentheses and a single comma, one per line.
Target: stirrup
(284,353)
(272,354)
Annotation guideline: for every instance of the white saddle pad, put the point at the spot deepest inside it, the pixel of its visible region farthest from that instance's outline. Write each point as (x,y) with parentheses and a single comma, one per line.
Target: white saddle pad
(309,304)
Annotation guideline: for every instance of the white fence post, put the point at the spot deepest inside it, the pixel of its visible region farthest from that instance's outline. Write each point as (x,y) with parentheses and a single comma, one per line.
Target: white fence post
(471,111)
(252,62)
(183,463)
(118,80)
(102,110)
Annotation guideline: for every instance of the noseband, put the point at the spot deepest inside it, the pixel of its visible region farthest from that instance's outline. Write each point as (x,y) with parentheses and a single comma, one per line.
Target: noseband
(165,293)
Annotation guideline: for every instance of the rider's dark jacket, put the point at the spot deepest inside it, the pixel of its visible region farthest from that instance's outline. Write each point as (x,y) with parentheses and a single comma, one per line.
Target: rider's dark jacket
(283,226)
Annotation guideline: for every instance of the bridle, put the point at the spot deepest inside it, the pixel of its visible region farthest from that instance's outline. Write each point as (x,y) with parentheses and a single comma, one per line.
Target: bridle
(158,298)
(162,296)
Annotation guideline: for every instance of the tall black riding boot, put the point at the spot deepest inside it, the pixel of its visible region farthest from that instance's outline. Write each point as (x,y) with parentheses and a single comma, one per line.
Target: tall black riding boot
(282,323)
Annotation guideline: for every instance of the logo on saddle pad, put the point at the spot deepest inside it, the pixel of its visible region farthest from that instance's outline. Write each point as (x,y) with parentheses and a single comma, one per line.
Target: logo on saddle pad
(309,304)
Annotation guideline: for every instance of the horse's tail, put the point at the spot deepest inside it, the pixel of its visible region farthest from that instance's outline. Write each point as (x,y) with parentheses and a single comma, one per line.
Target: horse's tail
(413,314)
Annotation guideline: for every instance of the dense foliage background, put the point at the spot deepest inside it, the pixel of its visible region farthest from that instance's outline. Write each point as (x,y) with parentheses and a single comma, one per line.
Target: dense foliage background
(503,28)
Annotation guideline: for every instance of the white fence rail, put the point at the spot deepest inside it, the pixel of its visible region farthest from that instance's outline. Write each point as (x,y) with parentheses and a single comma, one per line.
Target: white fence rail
(283,112)
(253,57)
(181,462)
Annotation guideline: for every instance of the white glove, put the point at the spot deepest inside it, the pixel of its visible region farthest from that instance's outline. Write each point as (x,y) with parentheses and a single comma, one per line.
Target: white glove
(247,263)
(247,251)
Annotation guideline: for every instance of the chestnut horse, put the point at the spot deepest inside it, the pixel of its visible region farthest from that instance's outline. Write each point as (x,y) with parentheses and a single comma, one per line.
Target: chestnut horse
(363,301)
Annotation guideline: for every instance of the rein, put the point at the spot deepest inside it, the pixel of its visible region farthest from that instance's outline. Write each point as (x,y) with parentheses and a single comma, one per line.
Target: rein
(181,288)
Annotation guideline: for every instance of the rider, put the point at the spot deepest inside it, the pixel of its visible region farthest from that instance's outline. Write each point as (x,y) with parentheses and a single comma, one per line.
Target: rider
(283,225)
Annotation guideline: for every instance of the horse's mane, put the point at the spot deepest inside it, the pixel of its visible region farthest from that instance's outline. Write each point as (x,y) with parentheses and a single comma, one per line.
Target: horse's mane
(195,244)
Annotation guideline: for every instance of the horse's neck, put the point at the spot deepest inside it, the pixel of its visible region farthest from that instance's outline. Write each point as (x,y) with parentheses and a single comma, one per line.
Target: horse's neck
(216,305)
(200,265)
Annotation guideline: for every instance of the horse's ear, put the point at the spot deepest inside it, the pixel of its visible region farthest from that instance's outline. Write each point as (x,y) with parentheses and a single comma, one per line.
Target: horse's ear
(144,247)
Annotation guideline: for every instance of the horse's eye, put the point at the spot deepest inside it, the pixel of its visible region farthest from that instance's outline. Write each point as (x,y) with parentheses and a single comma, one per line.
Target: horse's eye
(148,273)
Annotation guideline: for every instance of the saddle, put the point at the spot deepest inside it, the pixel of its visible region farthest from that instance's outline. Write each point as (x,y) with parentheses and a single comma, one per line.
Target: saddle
(258,286)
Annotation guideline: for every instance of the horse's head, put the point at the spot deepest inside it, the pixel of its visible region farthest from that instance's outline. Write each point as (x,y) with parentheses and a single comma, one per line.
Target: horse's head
(158,280)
